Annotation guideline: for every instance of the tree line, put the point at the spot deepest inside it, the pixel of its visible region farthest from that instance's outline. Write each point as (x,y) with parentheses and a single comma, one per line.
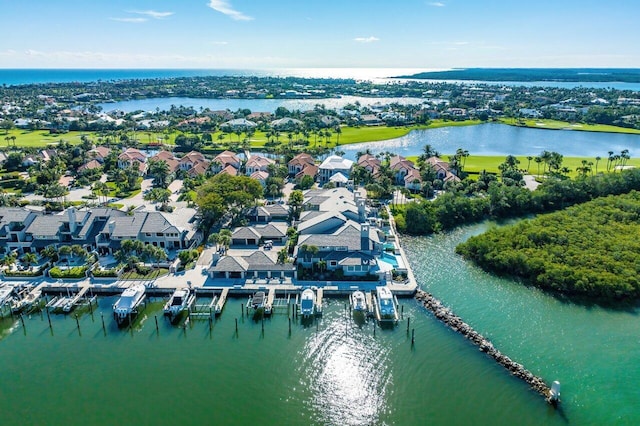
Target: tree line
(590,249)
(499,200)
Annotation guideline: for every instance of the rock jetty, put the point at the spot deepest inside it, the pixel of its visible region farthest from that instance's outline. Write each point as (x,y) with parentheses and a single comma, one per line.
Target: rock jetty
(456,323)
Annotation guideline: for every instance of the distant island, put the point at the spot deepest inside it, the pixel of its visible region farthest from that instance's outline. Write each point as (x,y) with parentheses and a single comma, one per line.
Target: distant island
(586,75)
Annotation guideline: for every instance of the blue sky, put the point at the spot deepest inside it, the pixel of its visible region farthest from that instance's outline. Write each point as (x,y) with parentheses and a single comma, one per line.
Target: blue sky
(313,33)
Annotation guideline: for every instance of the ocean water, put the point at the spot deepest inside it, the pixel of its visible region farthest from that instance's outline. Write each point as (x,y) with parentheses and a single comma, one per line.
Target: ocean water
(378,75)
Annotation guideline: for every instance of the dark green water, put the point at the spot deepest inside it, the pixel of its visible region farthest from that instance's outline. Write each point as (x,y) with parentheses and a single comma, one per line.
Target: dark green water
(333,373)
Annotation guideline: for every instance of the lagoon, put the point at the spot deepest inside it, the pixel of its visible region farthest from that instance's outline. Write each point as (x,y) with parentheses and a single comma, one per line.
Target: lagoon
(254,105)
(502,139)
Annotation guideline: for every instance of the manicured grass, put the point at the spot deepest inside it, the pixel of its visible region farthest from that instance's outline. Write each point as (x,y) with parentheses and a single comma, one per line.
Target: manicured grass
(490,163)
(155,273)
(39,138)
(565,125)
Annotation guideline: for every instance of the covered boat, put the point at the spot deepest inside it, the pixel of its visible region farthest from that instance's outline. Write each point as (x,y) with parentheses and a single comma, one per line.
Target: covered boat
(180,300)
(386,304)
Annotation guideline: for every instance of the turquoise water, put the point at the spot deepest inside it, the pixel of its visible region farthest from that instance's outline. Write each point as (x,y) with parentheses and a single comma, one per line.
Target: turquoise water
(335,371)
(390,259)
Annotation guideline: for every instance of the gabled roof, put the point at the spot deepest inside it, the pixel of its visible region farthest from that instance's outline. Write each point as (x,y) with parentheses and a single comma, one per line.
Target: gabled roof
(245,232)
(131,154)
(230,170)
(93,164)
(338,178)
(398,162)
(230,264)
(302,159)
(259,175)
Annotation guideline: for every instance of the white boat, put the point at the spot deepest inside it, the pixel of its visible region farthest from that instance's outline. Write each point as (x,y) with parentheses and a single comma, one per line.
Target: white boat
(358,301)
(180,300)
(386,304)
(128,302)
(307,302)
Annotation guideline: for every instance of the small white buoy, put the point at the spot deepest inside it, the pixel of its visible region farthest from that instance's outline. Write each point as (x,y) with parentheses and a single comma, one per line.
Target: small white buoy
(554,394)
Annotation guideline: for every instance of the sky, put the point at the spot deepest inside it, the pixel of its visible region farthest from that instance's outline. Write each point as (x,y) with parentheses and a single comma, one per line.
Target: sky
(265,34)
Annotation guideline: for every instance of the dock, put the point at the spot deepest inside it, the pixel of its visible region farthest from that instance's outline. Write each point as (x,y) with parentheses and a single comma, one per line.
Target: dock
(319,296)
(270,298)
(202,310)
(221,301)
(369,299)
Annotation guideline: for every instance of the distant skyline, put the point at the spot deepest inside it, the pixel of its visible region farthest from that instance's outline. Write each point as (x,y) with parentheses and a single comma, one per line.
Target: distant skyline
(250,34)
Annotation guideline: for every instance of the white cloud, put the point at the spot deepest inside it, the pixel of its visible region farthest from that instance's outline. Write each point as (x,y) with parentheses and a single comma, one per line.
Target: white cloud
(370,39)
(130,20)
(225,8)
(436,4)
(219,43)
(152,13)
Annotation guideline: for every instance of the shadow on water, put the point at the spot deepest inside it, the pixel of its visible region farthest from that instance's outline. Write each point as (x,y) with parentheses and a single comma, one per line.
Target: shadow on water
(359,318)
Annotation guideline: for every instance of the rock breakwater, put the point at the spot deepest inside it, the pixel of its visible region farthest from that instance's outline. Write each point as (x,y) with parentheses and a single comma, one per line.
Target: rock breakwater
(456,323)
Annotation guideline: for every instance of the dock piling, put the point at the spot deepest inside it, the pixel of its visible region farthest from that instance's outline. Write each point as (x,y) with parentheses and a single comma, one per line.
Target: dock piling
(413,336)
(374,329)
(157,329)
(104,329)
(49,319)
(236,326)
(408,322)
(289,326)
(77,324)
(402,312)
(22,321)
(263,326)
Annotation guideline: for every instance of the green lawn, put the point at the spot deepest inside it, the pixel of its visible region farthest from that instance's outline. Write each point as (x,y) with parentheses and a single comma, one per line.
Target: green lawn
(155,273)
(39,138)
(477,163)
(565,125)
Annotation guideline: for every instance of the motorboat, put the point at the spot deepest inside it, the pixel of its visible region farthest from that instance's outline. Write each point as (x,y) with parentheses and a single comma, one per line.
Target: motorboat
(25,299)
(307,302)
(258,300)
(180,300)
(358,301)
(386,304)
(127,305)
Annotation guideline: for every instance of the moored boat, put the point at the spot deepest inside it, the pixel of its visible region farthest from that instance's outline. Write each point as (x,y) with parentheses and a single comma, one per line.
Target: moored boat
(307,302)
(127,305)
(180,300)
(258,300)
(386,305)
(358,301)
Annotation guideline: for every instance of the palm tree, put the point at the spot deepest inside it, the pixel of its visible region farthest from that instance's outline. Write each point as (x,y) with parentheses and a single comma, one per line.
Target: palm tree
(538,160)
(529,158)
(66,252)
(29,259)
(597,160)
(160,172)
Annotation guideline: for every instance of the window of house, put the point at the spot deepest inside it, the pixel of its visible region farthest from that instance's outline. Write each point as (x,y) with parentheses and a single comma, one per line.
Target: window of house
(333,263)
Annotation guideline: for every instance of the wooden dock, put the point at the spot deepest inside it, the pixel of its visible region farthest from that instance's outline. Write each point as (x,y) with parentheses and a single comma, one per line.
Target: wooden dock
(221,301)
(319,296)
(270,297)
(369,299)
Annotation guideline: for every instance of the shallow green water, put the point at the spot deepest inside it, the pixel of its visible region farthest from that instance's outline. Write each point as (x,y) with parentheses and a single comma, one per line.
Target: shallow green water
(334,371)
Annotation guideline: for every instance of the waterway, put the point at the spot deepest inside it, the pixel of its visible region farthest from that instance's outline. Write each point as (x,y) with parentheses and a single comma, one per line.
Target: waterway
(502,139)
(254,105)
(336,372)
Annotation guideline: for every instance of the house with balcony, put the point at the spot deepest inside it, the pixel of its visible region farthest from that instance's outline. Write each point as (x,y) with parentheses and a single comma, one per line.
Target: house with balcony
(332,165)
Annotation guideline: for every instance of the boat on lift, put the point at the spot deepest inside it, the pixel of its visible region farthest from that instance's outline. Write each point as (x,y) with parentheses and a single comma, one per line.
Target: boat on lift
(307,302)
(180,300)
(127,305)
(358,301)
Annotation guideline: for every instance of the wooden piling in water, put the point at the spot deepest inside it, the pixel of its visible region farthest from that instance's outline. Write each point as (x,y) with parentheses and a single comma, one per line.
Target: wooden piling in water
(236,326)
(49,319)
(22,321)
(157,329)
(77,323)
(413,336)
(408,321)
(103,327)
(289,326)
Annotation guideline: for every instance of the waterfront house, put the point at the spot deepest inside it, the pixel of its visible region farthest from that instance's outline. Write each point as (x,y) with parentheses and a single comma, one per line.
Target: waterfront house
(257,265)
(258,163)
(255,234)
(224,160)
(299,162)
(169,159)
(238,124)
(400,167)
(370,163)
(413,180)
(133,157)
(442,169)
(286,123)
(193,159)
(332,165)
(13,224)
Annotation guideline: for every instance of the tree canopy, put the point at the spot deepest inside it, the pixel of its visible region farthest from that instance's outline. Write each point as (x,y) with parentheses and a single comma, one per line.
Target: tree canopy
(590,249)
(225,194)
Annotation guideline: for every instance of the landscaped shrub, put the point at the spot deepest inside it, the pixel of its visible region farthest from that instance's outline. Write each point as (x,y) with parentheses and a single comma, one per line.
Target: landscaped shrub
(74,272)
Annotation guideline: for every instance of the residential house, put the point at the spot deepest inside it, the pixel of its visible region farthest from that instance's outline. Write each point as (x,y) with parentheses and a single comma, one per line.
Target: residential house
(238,124)
(13,224)
(169,159)
(268,213)
(302,165)
(194,163)
(255,234)
(286,123)
(413,180)
(225,159)
(99,153)
(133,157)
(332,165)
(257,265)
(400,167)
(257,163)
(371,120)
(442,169)
(370,163)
